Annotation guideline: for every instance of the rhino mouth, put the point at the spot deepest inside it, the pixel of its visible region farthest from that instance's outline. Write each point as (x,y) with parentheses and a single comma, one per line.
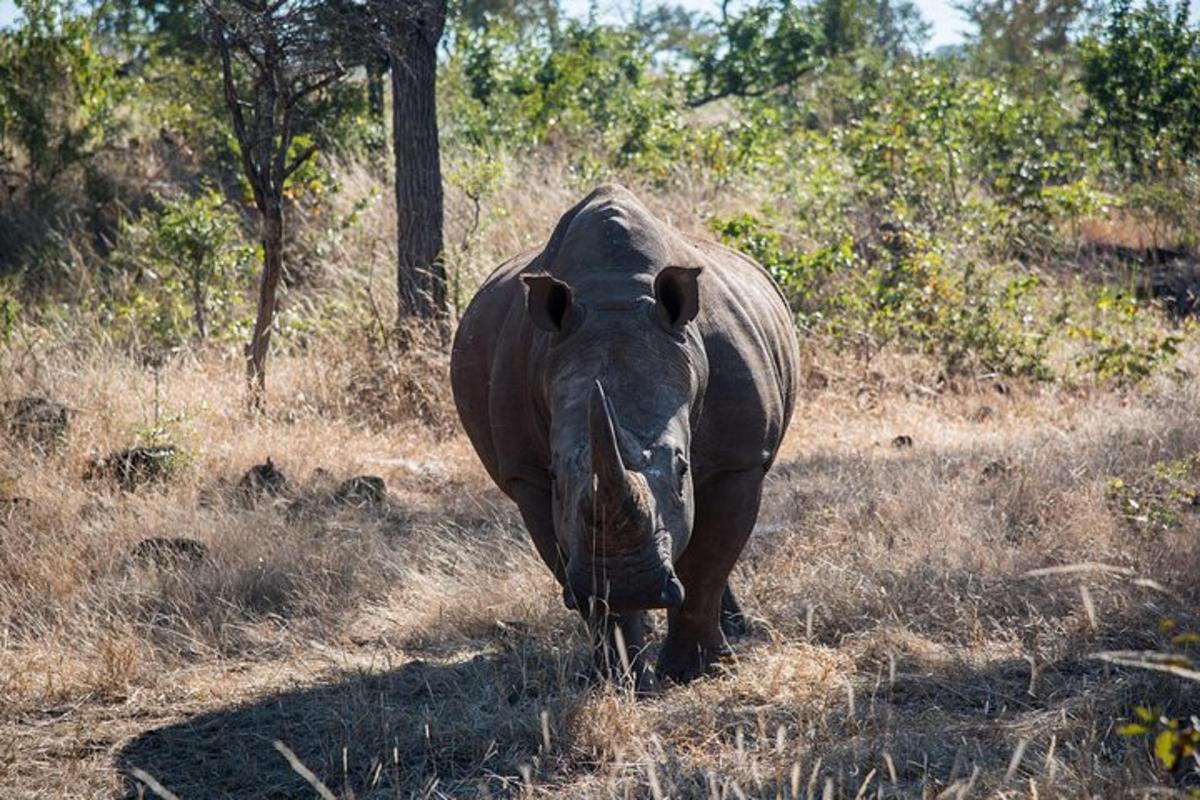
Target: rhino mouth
(622,583)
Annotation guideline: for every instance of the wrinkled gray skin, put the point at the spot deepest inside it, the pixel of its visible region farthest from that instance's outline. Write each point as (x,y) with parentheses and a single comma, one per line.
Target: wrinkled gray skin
(628,387)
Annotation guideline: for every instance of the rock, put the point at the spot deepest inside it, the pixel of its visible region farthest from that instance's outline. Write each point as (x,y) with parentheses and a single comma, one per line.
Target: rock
(170,551)
(995,469)
(263,480)
(37,420)
(136,466)
(902,441)
(982,414)
(361,491)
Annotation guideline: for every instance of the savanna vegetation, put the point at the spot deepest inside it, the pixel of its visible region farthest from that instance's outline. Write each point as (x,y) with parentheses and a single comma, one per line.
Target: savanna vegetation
(245,550)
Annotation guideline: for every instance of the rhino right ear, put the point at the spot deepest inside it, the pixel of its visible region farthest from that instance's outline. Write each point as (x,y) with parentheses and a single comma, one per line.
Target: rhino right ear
(547,300)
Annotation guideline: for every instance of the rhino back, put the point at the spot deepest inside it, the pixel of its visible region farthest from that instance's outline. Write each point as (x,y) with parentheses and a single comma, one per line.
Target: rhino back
(753,364)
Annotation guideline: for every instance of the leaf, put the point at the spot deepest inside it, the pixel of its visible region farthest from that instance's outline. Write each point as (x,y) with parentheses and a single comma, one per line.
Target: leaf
(1164,749)
(1133,729)
(1185,638)
(1144,714)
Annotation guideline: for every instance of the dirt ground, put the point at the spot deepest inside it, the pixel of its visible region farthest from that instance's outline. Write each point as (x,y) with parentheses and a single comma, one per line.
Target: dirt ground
(907,639)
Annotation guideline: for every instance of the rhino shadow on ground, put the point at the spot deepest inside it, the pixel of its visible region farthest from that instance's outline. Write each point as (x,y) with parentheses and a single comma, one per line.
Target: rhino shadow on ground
(364,734)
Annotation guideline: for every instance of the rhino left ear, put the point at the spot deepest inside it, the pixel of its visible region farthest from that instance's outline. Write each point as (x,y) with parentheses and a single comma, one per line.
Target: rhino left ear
(677,295)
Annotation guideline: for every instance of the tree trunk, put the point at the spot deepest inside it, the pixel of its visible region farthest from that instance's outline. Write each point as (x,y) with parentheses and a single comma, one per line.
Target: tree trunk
(256,349)
(422,275)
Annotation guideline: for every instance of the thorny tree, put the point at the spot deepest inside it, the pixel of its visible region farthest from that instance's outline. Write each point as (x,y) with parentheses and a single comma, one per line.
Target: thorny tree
(275,56)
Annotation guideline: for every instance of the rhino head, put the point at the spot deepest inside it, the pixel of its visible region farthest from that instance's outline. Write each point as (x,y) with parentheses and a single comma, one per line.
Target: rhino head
(623,378)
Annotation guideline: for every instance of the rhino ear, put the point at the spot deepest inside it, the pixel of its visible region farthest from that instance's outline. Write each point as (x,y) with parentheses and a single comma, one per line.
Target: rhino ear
(547,300)
(677,295)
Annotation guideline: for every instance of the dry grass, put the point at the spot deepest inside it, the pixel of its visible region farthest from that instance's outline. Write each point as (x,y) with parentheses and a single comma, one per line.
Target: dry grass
(419,648)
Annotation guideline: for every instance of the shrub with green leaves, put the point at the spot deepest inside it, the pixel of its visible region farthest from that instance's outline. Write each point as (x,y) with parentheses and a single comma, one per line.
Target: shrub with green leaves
(58,92)
(593,86)
(187,265)
(903,294)
(1122,342)
(1141,72)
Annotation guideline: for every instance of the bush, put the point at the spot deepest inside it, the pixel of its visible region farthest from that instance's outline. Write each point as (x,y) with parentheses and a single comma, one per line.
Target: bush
(58,93)
(1141,72)
(903,294)
(186,264)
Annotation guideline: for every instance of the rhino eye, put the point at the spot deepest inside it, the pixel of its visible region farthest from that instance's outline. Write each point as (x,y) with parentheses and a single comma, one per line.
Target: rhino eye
(683,466)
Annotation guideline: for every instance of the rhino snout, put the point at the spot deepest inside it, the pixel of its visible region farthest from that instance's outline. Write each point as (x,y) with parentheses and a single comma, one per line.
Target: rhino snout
(622,585)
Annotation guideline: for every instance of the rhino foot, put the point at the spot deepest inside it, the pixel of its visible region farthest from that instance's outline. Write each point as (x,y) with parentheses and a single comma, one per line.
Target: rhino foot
(683,662)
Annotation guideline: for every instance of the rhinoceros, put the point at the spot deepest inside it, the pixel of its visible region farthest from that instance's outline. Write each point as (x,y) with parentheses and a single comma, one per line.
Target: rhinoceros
(628,387)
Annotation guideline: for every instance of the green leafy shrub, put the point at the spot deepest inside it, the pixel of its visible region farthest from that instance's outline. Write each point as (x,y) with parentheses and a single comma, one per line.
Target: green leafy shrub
(905,296)
(58,92)
(1141,73)
(1158,498)
(1122,344)
(188,265)
(765,47)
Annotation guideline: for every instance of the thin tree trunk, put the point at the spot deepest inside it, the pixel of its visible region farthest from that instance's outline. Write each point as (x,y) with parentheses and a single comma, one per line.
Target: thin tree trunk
(422,276)
(260,340)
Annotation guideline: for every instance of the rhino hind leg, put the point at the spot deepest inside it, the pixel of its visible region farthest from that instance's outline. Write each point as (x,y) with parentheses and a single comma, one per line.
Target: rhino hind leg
(697,634)
(733,621)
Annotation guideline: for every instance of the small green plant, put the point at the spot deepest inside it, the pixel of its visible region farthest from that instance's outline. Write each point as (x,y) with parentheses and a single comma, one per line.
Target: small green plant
(189,265)
(1175,741)
(1158,498)
(1123,346)
(10,314)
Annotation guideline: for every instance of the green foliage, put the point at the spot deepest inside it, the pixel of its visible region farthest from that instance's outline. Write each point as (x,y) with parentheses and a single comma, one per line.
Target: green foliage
(58,93)
(593,82)
(906,295)
(1158,498)
(1142,77)
(768,45)
(10,314)
(1121,346)
(1176,742)
(1009,33)
(188,266)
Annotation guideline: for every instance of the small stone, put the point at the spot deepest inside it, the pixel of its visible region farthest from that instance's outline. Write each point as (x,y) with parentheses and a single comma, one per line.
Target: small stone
(263,480)
(361,491)
(136,466)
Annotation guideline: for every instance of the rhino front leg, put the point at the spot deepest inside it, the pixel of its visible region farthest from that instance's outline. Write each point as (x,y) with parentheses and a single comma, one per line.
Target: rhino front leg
(618,645)
(537,513)
(726,509)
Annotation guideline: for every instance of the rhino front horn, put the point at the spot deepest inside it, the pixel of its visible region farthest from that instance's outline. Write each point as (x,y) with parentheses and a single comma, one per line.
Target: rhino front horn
(607,465)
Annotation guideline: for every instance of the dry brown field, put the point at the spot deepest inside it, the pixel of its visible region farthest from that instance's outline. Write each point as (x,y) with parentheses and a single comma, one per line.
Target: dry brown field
(907,640)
